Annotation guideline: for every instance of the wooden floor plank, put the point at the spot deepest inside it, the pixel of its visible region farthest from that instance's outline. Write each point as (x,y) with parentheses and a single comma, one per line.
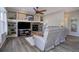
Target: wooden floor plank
(19,44)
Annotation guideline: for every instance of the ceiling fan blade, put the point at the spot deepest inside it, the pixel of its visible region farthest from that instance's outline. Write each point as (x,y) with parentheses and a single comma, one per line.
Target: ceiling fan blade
(41,13)
(34,9)
(38,11)
(42,10)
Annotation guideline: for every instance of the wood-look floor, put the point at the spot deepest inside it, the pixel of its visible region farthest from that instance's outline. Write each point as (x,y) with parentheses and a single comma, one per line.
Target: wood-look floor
(19,44)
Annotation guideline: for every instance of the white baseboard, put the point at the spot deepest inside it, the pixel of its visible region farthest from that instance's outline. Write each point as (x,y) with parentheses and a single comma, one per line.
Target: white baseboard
(74,35)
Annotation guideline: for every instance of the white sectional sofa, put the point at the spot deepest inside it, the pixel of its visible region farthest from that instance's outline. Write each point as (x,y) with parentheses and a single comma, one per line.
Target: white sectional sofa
(52,37)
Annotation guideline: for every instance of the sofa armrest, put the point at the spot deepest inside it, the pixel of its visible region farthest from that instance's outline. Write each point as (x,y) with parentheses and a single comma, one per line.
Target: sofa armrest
(39,42)
(40,38)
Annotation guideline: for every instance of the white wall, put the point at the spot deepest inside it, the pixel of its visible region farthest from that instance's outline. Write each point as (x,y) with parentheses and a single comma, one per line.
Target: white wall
(63,18)
(54,19)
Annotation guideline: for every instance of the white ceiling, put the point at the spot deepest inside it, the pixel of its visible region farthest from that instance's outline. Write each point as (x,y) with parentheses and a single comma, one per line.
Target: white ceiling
(30,10)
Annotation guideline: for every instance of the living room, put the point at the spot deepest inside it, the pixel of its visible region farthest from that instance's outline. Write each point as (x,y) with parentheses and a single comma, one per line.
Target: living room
(35,29)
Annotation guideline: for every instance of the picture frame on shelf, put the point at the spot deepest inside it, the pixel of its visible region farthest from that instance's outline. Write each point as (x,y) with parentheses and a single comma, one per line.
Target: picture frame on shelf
(30,17)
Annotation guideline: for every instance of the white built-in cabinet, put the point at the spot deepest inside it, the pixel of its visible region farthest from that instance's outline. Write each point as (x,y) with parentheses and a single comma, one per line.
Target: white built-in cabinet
(3,24)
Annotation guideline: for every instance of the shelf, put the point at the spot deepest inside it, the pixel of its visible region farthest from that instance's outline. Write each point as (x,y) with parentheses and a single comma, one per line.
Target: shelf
(12,29)
(13,35)
(16,20)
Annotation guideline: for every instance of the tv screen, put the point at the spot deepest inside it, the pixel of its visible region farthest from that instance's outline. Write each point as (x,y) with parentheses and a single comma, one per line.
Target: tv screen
(24,25)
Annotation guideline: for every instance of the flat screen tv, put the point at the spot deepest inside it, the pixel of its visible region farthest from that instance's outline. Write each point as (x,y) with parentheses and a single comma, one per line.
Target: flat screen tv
(24,25)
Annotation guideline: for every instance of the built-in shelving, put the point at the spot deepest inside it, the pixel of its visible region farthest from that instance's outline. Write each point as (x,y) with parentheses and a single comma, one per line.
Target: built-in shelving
(16,20)
(13,24)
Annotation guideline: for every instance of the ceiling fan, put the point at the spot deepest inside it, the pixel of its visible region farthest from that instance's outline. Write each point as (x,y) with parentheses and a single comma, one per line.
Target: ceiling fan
(37,11)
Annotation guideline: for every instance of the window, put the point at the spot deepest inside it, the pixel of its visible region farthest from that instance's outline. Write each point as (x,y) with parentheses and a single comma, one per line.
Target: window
(3,22)
(0,15)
